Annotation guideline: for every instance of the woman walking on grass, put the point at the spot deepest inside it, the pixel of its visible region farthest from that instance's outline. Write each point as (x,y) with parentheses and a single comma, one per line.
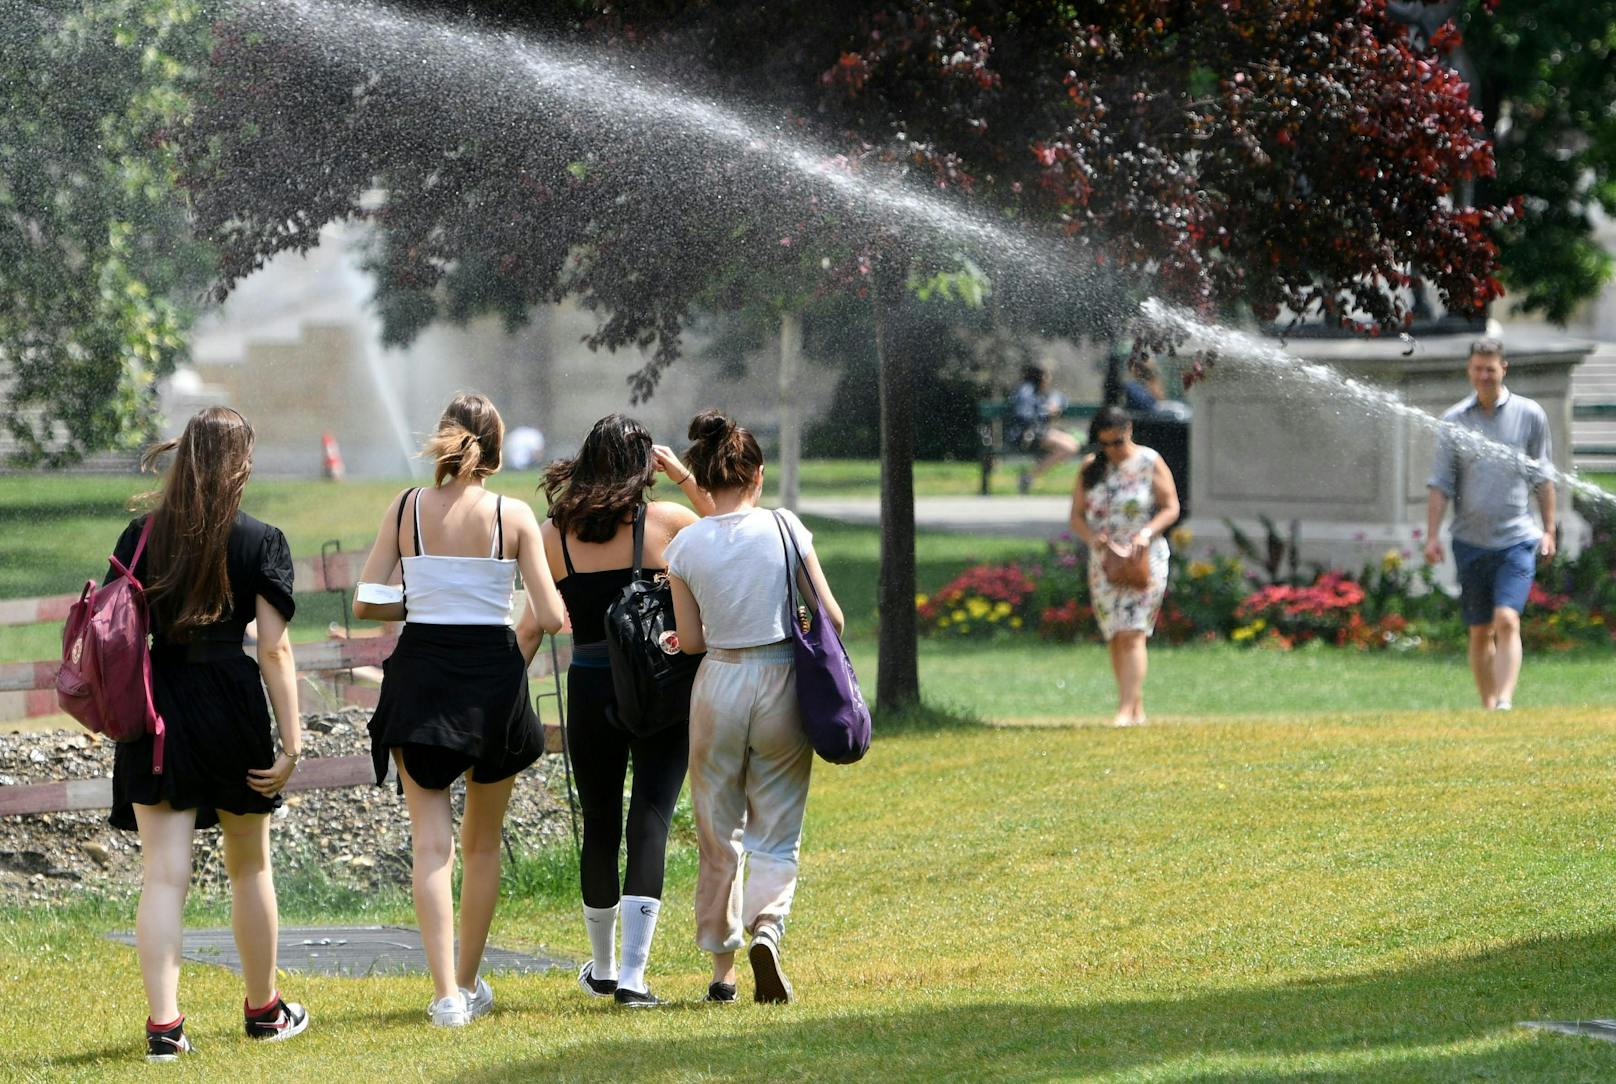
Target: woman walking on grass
(595,499)
(210,569)
(1125,498)
(749,757)
(454,698)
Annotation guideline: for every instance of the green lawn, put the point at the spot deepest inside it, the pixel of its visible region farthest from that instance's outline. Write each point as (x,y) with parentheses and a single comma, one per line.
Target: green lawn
(1375,897)
(1315,866)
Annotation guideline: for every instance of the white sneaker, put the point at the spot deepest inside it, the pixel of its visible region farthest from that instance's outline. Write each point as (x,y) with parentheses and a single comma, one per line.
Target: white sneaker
(479,999)
(449,1011)
(1503,705)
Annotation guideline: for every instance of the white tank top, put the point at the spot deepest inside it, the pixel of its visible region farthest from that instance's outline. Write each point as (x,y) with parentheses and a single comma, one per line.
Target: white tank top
(459,590)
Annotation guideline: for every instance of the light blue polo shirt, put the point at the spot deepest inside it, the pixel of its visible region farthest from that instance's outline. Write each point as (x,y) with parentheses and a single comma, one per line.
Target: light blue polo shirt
(1492,494)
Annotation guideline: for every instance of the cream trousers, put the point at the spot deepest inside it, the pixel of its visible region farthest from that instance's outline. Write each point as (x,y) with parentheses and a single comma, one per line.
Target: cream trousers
(749,766)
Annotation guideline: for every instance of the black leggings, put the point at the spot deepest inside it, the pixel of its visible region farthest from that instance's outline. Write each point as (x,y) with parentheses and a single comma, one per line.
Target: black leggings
(600,759)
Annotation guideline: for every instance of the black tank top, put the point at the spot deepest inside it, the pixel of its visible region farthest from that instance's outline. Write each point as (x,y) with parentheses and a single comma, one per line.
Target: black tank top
(587,594)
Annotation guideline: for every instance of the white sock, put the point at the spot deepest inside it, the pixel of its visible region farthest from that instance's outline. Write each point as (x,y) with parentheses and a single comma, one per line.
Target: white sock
(639,926)
(602,923)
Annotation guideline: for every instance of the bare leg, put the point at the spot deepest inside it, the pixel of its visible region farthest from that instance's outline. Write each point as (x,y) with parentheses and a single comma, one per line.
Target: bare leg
(1114,650)
(1506,654)
(724,967)
(253,916)
(165,853)
(1059,446)
(432,851)
(1482,666)
(1128,662)
(479,873)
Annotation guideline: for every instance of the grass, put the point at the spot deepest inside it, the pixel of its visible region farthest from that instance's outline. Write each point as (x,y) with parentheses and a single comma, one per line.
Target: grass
(1373,897)
(1041,683)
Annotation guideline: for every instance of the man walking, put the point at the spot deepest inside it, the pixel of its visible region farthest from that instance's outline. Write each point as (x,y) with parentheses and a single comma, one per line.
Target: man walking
(1495,541)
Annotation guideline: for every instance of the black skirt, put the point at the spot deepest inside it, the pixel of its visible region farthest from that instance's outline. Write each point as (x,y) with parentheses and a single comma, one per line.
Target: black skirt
(462,689)
(217,726)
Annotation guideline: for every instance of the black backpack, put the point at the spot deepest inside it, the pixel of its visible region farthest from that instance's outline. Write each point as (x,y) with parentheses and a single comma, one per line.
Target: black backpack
(651,681)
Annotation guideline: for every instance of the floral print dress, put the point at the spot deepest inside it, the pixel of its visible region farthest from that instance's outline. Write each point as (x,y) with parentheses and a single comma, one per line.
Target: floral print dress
(1121,505)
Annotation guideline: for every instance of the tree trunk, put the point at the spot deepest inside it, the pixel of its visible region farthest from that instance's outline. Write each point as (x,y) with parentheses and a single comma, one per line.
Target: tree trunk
(790,409)
(898,680)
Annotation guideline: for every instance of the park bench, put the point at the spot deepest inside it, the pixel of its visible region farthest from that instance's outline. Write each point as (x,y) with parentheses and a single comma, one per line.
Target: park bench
(991,415)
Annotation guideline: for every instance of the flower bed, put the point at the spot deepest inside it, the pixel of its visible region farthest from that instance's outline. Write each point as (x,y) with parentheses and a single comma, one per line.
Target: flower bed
(1390,605)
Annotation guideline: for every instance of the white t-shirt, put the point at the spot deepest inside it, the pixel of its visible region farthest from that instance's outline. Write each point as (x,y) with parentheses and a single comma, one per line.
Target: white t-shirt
(735,566)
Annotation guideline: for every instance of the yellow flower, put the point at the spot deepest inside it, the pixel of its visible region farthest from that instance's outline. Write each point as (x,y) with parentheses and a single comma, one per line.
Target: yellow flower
(978,607)
(1260,624)
(1392,561)
(1199,570)
(1242,634)
(1181,537)
(958,615)
(1015,622)
(942,622)
(1002,609)
(921,600)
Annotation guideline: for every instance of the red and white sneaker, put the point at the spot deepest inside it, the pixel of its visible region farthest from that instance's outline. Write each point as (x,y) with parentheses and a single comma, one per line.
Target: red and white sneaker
(279,1020)
(167,1044)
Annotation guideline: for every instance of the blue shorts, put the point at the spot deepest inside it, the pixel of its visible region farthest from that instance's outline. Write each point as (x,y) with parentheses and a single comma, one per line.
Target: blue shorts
(1489,579)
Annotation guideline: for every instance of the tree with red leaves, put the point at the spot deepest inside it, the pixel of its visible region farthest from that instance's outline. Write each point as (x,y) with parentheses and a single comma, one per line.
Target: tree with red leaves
(1296,155)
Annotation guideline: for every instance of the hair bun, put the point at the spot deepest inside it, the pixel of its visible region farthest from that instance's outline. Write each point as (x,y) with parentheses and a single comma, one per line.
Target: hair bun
(710,426)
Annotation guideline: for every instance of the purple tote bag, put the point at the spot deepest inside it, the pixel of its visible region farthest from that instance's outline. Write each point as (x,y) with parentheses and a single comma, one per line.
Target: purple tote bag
(834,714)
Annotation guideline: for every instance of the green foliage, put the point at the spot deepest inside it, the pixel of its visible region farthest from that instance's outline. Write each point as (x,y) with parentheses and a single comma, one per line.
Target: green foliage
(1546,78)
(96,259)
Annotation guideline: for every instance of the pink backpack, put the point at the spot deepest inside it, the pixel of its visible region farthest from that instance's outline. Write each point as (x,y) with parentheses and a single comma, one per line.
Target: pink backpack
(105,681)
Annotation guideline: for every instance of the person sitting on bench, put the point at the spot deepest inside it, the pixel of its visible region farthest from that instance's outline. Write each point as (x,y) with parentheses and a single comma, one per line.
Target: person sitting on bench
(1029,427)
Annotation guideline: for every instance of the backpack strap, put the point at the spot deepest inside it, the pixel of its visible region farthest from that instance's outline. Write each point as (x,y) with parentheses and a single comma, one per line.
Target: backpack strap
(498,549)
(639,540)
(128,571)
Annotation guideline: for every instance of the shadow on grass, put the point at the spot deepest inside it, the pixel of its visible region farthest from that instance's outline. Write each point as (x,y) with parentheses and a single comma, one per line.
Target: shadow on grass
(1389,1025)
(924,718)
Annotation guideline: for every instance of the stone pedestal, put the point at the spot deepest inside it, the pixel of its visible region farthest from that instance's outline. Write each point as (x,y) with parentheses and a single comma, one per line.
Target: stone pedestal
(1351,480)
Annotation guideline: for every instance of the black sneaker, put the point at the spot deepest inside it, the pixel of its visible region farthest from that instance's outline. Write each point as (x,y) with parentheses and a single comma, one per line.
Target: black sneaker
(769,982)
(591,985)
(169,1044)
(281,1020)
(721,993)
(636,999)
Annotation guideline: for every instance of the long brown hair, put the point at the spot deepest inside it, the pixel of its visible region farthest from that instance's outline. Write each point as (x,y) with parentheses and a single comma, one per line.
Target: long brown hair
(196,508)
(469,440)
(723,455)
(594,491)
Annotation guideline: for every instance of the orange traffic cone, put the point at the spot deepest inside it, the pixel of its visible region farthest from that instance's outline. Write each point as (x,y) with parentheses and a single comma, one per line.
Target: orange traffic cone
(331,457)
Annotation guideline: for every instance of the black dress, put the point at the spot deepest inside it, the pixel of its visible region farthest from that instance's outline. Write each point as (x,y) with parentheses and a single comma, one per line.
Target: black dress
(209,692)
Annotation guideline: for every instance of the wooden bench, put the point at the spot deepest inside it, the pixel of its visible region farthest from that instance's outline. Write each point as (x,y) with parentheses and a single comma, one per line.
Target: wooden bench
(991,415)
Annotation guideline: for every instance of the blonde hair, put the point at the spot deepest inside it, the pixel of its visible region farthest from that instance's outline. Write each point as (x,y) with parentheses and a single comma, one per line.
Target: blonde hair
(469,440)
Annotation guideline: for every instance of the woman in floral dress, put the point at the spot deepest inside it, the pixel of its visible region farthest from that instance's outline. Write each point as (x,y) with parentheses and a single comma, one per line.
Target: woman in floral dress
(1125,499)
